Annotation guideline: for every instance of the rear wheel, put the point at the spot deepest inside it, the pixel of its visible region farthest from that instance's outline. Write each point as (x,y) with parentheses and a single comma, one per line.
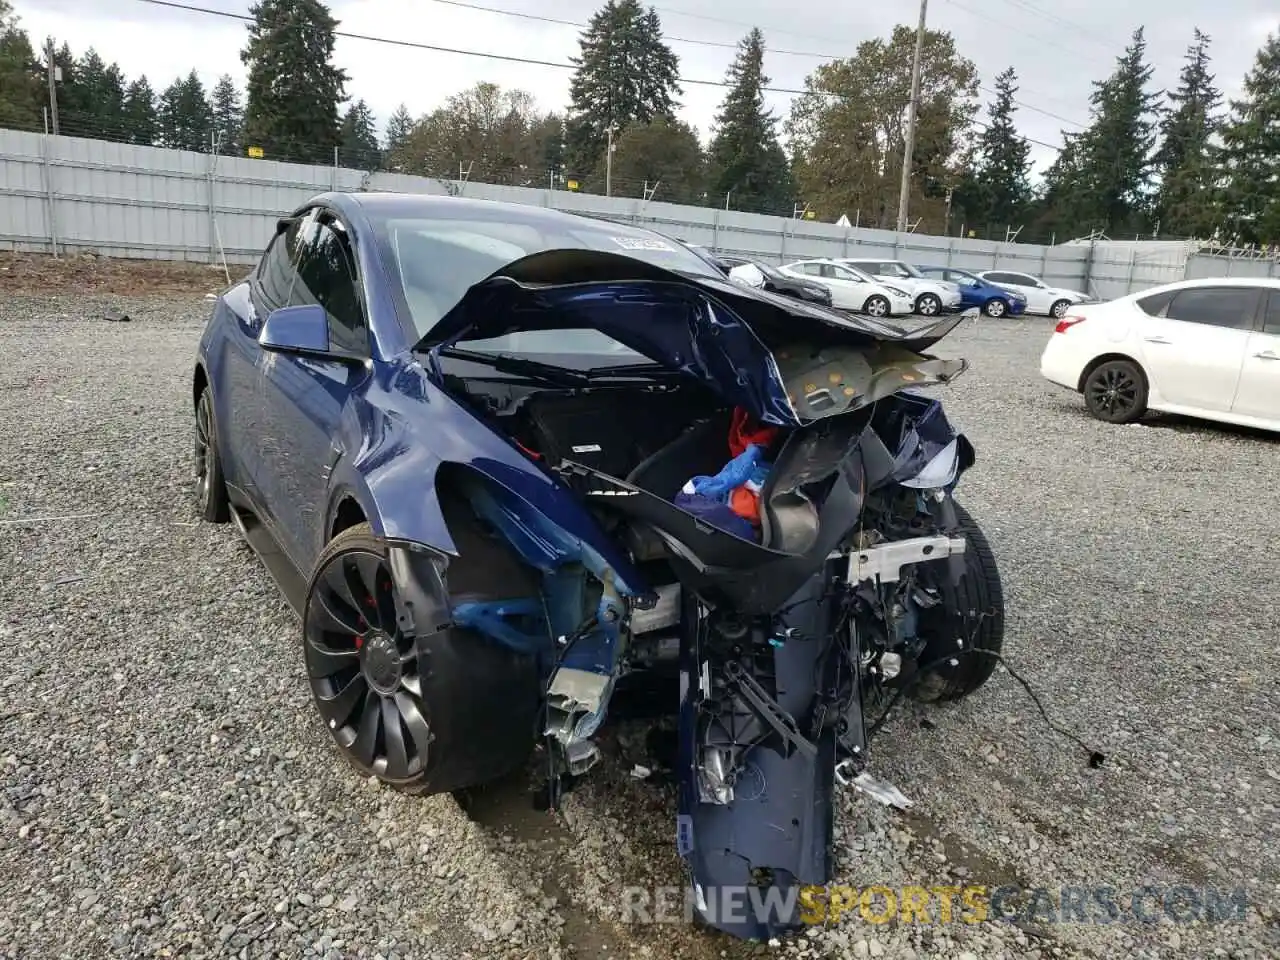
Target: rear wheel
(1116,392)
(995,307)
(211,487)
(969,622)
(876,306)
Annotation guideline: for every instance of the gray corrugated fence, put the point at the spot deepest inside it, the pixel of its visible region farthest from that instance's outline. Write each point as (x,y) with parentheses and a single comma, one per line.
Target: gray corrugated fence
(70,194)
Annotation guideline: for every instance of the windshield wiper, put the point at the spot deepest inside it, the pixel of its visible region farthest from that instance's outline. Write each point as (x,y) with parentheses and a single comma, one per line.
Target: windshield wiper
(520,366)
(508,363)
(632,370)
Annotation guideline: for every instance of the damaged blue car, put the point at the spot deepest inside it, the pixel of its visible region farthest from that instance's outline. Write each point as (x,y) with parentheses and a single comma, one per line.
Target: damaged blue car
(508,463)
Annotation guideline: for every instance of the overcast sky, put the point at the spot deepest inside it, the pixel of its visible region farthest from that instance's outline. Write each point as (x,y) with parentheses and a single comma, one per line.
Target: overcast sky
(1057,46)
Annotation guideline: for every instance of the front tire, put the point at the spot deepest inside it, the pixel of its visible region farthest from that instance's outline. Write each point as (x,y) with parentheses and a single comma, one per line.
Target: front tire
(1116,392)
(1059,309)
(971,611)
(211,486)
(424,713)
(928,305)
(876,306)
(995,307)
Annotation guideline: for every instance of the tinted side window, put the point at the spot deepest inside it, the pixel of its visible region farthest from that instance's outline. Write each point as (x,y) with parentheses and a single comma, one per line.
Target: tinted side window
(1004,278)
(1271,321)
(1215,306)
(1155,304)
(327,276)
(276,269)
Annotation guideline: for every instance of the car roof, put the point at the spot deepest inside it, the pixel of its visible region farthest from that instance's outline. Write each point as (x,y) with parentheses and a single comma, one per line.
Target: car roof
(390,206)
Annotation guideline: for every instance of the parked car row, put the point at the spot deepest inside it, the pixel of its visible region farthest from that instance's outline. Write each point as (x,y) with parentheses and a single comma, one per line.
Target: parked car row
(884,288)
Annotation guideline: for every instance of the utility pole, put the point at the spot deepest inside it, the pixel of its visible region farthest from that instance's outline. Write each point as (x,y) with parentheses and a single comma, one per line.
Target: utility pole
(53,72)
(912,110)
(608,164)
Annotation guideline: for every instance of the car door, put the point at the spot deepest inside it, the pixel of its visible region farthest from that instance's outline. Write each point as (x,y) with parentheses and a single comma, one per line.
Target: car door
(1193,347)
(1259,392)
(848,291)
(268,288)
(303,397)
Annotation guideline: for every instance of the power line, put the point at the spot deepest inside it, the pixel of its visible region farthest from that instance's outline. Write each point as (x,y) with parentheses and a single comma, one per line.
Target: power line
(716,43)
(828,58)
(1054,18)
(435,48)
(724,44)
(416,45)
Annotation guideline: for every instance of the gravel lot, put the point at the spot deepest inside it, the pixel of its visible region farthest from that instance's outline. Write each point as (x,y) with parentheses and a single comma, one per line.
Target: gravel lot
(167,790)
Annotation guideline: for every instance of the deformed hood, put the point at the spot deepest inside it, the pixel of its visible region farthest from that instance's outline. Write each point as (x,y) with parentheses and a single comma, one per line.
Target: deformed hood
(707,326)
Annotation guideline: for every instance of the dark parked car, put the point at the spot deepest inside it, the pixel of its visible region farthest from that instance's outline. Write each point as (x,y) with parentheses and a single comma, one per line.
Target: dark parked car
(503,461)
(766,277)
(993,300)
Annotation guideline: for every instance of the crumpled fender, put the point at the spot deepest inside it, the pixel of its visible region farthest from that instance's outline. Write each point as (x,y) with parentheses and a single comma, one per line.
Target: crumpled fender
(426,430)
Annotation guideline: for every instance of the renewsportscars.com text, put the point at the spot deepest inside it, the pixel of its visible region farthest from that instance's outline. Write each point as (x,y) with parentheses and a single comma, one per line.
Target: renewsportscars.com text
(1103,904)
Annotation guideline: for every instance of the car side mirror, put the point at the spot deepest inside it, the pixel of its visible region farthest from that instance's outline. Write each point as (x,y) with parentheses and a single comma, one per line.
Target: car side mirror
(302,329)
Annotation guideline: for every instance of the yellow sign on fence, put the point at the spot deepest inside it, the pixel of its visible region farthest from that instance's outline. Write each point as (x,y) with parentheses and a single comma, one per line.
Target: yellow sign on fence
(571,184)
(256,153)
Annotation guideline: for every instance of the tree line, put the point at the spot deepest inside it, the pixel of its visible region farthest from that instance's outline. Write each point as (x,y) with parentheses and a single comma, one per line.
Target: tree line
(1179,163)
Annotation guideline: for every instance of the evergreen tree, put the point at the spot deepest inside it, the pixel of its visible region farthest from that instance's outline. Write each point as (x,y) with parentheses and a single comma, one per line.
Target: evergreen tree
(1186,204)
(548,141)
(228,116)
(625,74)
(21,90)
(102,87)
(142,125)
(72,110)
(999,188)
(746,160)
(1052,210)
(360,138)
(1114,170)
(186,117)
(91,99)
(1251,151)
(399,126)
(294,90)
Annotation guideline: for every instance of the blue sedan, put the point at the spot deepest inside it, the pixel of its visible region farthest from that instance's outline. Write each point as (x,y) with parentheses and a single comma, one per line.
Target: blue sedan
(994,301)
(505,463)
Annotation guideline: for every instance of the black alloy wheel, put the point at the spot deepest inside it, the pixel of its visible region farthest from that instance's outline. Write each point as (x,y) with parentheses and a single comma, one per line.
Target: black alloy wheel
(211,490)
(1116,392)
(363,669)
(928,305)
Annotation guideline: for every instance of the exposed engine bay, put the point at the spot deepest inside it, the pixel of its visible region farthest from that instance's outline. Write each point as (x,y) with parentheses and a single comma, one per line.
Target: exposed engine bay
(610,441)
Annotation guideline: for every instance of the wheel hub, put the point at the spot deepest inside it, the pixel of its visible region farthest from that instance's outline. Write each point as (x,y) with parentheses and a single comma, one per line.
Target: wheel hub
(380,661)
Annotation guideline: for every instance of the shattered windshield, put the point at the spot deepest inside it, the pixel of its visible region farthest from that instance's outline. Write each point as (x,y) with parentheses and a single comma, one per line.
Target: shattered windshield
(437,260)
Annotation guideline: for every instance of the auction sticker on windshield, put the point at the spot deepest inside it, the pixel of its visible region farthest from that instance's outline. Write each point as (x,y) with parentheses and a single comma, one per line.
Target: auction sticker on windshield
(642,243)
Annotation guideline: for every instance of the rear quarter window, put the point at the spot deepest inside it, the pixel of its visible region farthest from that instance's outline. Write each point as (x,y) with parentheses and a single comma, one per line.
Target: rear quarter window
(1156,304)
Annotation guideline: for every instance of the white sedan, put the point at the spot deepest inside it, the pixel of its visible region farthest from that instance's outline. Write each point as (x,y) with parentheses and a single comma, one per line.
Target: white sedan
(1202,348)
(1041,298)
(851,289)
